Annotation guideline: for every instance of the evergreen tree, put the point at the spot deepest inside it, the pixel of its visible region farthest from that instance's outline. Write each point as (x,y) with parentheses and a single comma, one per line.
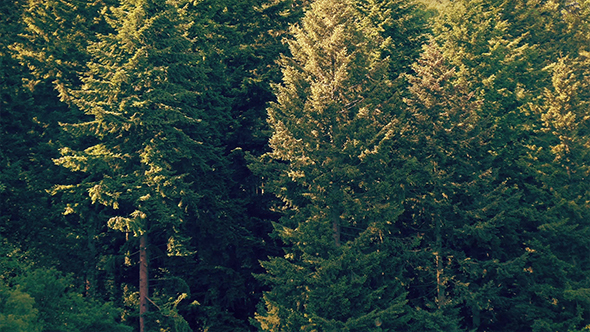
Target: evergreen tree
(29,218)
(559,274)
(56,34)
(243,40)
(334,124)
(502,48)
(51,49)
(455,205)
(441,131)
(476,38)
(143,94)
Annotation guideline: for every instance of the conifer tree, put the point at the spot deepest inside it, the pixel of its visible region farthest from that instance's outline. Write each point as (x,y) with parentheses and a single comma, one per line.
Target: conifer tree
(558,261)
(52,49)
(242,43)
(28,216)
(56,34)
(502,48)
(334,126)
(146,127)
(445,138)
(477,37)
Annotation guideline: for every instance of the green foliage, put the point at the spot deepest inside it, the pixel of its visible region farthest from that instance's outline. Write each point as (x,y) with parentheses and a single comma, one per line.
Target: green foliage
(167,318)
(240,47)
(140,91)
(60,308)
(29,219)
(352,291)
(446,193)
(446,139)
(562,146)
(17,308)
(17,312)
(147,127)
(334,125)
(559,159)
(56,34)
(503,49)
(33,298)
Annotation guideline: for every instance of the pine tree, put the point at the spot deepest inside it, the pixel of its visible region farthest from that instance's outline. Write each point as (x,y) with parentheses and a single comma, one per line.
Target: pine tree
(56,34)
(242,42)
(51,48)
(447,140)
(502,48)
(559,274)
(143,96)
(477,39)
(334,126)
(29,218)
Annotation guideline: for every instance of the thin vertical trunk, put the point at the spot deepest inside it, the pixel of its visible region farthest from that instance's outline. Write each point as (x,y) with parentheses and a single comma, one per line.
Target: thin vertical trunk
(440,287)
(335,215)
(143,281)
(90,264)
(336,230)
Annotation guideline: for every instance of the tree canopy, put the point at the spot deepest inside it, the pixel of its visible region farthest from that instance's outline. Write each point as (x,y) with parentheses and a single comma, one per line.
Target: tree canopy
(294,165)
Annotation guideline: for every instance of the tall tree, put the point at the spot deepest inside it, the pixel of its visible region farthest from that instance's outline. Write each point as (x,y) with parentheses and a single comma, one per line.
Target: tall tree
(56,34)
(455,203)
(147,126)
(29,215)
(476,38)
(52,47)
(243,40)
(559,274)
(334,124)
(502,48)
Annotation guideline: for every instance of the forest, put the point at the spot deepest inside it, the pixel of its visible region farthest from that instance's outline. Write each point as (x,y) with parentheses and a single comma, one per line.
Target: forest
(294,165)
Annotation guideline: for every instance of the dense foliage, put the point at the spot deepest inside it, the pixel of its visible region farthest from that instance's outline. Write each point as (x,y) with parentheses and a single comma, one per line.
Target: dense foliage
(294,165)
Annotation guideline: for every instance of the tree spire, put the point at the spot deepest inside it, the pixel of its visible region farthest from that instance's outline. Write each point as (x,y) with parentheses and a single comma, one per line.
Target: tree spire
(334,126)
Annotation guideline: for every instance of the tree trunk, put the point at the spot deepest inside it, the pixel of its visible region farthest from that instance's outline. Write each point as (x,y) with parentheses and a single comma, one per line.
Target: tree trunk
(336,227)
(143,281)
(440,287)
(90,263)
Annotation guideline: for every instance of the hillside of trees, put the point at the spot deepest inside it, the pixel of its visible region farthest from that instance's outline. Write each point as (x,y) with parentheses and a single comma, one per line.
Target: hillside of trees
(294,165)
